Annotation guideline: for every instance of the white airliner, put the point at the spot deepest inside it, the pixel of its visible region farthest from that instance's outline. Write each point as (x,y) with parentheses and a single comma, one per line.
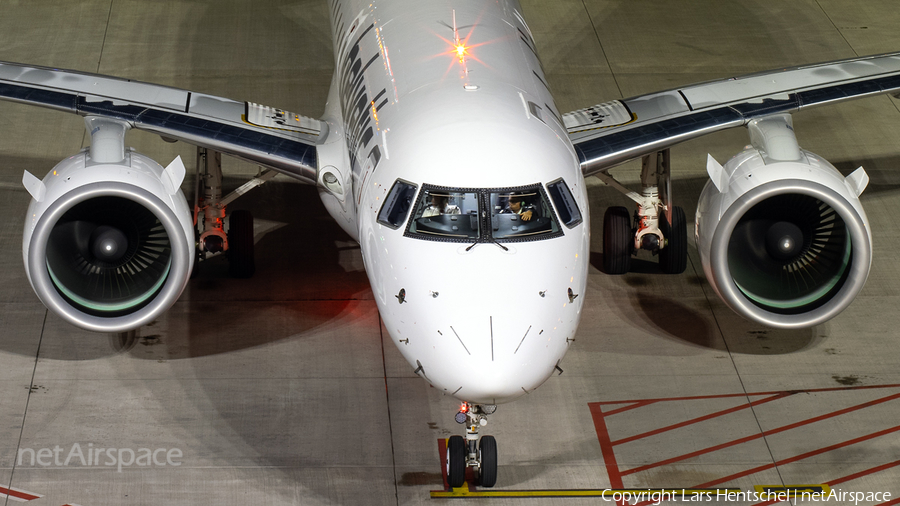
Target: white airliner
(442,152)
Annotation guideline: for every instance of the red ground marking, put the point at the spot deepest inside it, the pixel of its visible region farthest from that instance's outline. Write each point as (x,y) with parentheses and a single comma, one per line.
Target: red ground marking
(700,419)
(442,452)
(762,434)
(726,396)
(849,477)
(626,408)
(609,456)
(615,475)
(801,457)
(19,495)
(863,473)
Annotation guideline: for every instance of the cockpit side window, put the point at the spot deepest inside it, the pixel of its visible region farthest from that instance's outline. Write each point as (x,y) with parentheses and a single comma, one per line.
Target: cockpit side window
(396,206)
(446,214)
(565,203)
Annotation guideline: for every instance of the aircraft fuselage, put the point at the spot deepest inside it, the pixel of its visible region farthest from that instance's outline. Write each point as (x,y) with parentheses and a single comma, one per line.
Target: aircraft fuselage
(451,101)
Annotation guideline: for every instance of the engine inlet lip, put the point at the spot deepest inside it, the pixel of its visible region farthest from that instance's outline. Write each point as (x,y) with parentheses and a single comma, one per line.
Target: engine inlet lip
(43,284)
(859,267)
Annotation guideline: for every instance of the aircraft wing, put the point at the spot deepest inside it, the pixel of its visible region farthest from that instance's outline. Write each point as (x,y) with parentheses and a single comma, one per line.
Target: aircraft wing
(608,134)
(272,137)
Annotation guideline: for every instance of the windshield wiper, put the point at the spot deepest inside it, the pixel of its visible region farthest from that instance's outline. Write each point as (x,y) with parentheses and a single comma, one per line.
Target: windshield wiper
(484,219)
(492,240)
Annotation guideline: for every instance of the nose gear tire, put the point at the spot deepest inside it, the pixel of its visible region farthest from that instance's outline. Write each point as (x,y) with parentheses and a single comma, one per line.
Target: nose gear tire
(487,448)
(456,461)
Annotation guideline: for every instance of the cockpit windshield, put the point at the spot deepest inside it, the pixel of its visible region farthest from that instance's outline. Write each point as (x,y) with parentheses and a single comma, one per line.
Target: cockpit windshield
(447,214)
(521,214)
(483,215)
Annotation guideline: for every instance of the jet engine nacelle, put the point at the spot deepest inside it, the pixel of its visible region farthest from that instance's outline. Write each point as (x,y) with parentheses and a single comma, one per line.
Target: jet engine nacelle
(108,246)
(782,236)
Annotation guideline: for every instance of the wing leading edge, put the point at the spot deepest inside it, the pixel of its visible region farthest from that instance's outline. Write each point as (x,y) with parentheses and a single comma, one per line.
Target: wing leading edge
(609,134)
(272,137)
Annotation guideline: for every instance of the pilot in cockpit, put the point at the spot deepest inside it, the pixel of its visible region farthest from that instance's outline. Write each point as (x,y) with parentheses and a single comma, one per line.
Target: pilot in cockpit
(517,205)
(440,204)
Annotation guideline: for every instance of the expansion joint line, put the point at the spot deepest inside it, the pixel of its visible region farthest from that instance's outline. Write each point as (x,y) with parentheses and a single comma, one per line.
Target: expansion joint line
(37,355)
(387,400)
(602,50)
(738,373)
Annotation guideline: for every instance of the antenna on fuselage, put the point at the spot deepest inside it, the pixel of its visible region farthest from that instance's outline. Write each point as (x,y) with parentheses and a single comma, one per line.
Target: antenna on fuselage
(459,46)
(455,31)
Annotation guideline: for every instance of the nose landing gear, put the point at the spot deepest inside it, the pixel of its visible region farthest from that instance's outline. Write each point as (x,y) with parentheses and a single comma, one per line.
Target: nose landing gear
(477,452)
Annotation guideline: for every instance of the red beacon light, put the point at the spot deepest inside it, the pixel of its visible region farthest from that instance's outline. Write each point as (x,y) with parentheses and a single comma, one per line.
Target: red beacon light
(461,416)
(461,51)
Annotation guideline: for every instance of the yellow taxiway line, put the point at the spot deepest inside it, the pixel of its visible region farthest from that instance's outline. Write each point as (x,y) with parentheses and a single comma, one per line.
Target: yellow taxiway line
(466,492)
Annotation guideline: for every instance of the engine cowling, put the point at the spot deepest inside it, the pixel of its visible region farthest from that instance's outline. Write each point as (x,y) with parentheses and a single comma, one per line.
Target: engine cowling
(785,243)
(108,246)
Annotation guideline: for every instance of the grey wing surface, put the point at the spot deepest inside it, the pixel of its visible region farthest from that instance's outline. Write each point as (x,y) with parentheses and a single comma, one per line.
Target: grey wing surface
(268,136)
(608,134)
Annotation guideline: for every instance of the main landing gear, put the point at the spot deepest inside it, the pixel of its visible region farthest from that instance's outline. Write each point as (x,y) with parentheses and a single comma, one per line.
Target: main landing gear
(479,453)
(624,235)
(209,216)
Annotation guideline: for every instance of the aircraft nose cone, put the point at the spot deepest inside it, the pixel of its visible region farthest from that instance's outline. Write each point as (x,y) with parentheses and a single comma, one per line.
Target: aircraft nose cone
(495,358)
(482,323)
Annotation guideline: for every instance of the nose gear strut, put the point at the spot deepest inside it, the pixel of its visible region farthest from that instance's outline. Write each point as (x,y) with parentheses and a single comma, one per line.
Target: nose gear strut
(477,452)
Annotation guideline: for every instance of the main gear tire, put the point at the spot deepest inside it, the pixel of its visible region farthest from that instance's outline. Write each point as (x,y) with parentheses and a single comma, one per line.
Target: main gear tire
(618,240)
(673,258)
(241,258)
